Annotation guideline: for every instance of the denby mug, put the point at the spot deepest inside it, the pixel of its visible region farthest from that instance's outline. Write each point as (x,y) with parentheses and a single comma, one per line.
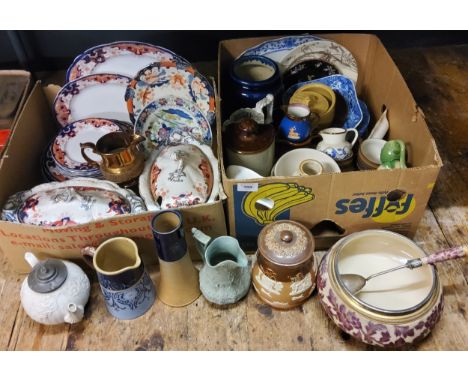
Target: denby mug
(126,286)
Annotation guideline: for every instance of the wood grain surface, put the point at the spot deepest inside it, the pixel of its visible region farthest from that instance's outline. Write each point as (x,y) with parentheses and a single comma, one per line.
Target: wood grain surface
(438,78)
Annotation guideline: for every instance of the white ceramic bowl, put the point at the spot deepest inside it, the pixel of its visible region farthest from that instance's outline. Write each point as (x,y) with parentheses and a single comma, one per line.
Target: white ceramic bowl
(241,172)
(289,163)
(371,149)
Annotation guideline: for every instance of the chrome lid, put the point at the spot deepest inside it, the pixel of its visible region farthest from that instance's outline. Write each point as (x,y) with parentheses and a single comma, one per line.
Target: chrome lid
(47,276)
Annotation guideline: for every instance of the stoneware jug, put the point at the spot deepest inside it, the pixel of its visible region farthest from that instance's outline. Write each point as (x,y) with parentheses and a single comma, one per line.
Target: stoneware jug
(225,276)
(393,155)
(55,291)
(334,142)
(178,282)
(125,285)
(122,160)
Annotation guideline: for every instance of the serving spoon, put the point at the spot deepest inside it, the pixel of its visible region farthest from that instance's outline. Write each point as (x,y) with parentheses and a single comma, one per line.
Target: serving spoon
(354,283)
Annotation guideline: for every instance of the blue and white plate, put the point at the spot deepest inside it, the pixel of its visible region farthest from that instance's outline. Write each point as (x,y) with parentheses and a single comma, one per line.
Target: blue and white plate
(363,126)
(172,120)
(342,85)
(278,48)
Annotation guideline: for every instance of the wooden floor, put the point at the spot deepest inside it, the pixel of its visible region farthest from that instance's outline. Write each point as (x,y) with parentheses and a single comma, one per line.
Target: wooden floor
(438,78)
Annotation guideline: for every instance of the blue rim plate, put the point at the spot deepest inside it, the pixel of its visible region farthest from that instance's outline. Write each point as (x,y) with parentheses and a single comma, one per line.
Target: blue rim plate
(342,85)
(278,48)
(86,62)
(170,120)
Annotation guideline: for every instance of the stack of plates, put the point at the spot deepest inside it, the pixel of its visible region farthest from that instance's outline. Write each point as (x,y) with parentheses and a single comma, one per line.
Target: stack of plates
(63,159)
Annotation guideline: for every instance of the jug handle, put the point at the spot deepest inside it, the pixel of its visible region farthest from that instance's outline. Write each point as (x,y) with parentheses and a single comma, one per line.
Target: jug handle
(201,241)
(402,153)
(88,254)
(137,139)
(356,135)
(92,146)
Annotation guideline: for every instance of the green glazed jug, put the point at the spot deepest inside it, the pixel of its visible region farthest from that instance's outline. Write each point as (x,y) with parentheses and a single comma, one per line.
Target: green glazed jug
(393,155)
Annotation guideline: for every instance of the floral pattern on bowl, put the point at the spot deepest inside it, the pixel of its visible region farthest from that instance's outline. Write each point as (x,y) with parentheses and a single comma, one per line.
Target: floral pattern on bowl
(172,120)
(178,176)
(72,202)
(369,331)
(174,79)
(342,85)
(93,59)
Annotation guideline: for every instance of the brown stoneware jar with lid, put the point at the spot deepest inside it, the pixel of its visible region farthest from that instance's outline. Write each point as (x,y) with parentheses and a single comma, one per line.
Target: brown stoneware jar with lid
(284,274)
(251,145)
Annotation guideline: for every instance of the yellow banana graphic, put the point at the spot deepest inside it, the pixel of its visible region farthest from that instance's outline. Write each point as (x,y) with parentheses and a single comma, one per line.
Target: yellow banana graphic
(289,193)
(284,196)
(264,191)
(299,198)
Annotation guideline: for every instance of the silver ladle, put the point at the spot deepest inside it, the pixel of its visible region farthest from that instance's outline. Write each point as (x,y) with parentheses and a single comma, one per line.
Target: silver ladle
(354,283)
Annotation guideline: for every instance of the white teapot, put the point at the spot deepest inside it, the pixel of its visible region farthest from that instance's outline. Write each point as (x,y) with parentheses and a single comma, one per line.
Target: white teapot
(55,291)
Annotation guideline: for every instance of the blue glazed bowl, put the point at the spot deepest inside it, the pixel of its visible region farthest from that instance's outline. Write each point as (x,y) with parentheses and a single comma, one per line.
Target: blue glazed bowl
(253,77)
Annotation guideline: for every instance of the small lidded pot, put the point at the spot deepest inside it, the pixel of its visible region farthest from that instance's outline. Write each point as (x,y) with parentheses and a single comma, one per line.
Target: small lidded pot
(251,145)
(284,274)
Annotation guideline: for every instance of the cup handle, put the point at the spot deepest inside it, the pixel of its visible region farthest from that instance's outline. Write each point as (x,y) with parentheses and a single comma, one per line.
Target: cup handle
(88,254)
(356,136)
(92,146)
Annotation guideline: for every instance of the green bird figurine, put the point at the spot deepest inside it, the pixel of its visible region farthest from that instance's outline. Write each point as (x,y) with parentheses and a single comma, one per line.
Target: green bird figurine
(393,155)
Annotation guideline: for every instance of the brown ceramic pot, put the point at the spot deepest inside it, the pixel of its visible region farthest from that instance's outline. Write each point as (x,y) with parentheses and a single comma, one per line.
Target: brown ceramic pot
(284,274)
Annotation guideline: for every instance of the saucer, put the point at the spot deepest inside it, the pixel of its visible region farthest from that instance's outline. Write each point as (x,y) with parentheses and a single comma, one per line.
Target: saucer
(172,120)
(93,96)
(288,164)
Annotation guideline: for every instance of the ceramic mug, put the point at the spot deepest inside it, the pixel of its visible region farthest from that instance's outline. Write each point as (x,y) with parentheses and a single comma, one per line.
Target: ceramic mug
(125,284)
(225,276)
(295,126)
(178,282)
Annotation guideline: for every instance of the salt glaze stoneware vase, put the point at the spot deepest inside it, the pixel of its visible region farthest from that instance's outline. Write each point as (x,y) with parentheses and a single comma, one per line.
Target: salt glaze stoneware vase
(126,286)
(178,283)
(252,79)
(392,310)
(284,274)
(55,292)
(393,155)
(334,143)
(225,276)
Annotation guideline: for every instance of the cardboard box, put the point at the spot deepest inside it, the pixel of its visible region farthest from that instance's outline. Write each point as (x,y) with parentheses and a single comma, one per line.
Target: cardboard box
(20,170)
(14,89)
(351,201)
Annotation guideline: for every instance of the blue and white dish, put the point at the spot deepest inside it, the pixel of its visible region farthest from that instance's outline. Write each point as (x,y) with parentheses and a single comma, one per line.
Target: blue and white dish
(364,125)
(278,48)
(172,120)
(344,87)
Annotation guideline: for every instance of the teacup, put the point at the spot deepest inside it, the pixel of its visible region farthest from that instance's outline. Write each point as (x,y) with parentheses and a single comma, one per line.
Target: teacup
(369,154)
(126,286)
(310,167)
